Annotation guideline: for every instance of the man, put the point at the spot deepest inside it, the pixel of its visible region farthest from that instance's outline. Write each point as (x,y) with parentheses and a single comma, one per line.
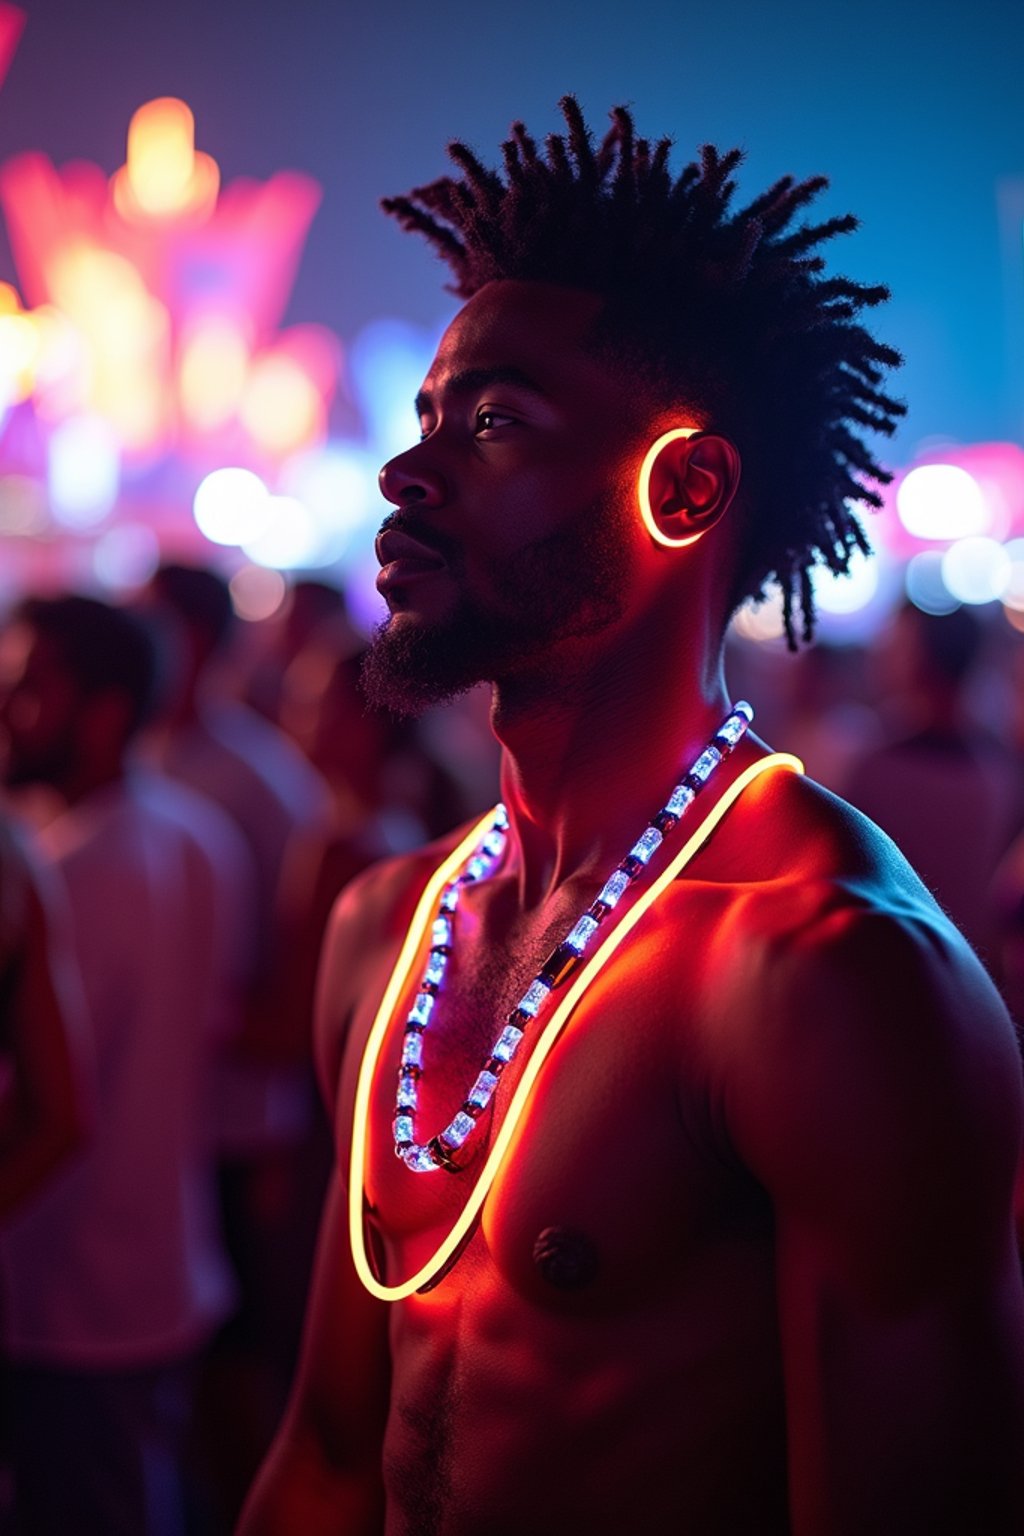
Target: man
(114,1276)
(747,1262)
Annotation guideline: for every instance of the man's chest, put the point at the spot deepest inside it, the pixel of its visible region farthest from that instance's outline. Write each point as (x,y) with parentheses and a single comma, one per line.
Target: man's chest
(612,1160)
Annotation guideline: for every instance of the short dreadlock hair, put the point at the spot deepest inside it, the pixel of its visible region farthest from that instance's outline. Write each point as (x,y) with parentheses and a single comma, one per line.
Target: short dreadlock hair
(726,312)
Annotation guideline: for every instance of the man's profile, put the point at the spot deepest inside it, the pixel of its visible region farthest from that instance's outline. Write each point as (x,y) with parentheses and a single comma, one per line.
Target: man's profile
(747,1263)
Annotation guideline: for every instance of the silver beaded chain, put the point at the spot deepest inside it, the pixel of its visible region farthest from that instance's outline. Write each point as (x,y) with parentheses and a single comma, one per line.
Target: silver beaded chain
(564,959)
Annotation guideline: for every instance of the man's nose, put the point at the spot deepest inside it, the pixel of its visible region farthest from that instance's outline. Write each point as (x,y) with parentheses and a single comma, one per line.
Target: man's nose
(406,481)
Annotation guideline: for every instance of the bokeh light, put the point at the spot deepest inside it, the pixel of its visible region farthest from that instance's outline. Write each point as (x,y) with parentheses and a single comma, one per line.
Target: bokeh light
(128,334)
(389,359)
(338,483)
(23,511)
(941,501)
(976,570)
(290,537)
(163,177)
(1013,596)
(19,349)
(83,471)
(848,593)
(257,593)
(126,556)
(293,538)
(281,407)
(925,586)
(211,372)
(231,506)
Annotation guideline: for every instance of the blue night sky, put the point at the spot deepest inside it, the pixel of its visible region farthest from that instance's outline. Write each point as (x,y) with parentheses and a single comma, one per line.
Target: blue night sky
(914,111)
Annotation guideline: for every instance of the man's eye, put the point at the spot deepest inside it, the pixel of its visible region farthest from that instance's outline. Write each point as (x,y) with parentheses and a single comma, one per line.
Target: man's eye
(486,421)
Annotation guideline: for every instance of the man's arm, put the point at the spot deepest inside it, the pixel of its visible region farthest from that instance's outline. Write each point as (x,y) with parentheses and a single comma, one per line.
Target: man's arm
(881,1109)
(322,1475)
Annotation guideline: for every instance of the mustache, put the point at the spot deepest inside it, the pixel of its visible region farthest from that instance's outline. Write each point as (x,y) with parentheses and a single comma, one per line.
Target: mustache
(402,520)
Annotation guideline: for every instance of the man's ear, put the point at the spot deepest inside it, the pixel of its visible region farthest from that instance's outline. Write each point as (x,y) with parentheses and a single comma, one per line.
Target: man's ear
(687,481)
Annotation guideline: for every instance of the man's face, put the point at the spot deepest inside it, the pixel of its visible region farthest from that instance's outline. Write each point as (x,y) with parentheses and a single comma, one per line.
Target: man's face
(39,710)
(513,532)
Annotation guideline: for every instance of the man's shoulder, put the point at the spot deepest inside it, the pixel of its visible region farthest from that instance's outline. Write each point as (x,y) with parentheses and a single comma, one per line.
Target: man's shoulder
(364,938)
(382,898)
(810,853)
(835,944)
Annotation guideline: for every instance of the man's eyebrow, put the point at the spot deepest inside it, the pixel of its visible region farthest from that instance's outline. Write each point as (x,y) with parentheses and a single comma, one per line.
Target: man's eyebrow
(473,379)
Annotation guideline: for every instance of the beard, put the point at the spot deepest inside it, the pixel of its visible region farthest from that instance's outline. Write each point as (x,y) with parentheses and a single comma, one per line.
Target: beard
(563,587)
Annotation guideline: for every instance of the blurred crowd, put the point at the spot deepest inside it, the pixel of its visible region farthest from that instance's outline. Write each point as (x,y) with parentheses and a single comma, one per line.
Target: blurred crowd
(185,796)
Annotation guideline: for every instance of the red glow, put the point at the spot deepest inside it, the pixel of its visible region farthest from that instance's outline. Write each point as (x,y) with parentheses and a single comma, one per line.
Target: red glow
(12,24)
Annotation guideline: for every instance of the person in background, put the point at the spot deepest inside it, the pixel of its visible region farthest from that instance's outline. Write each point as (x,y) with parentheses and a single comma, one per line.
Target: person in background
(264,1105)
(46,1084)
(389,795)
(946,791)
(114,1275)
(314,614)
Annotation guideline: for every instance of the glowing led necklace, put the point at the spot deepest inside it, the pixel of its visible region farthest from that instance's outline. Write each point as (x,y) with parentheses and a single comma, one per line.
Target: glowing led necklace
(447,1252)
(564,959)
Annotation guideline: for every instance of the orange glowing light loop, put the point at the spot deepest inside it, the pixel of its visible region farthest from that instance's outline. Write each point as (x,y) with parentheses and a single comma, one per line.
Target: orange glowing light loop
(643,489)
(448,1251)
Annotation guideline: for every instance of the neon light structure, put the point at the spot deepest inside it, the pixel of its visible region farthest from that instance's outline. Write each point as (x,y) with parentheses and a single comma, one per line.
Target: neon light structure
(158,272)
(448,1250)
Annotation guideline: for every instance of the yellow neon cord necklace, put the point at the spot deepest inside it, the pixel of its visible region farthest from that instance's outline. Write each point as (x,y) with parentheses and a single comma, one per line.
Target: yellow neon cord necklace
(447,1252)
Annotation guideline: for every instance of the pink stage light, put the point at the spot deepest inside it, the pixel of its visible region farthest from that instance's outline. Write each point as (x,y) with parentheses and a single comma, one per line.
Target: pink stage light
(994,492)
(12,24)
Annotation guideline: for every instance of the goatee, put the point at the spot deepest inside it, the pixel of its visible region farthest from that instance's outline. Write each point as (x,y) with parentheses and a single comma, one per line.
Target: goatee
(566,586)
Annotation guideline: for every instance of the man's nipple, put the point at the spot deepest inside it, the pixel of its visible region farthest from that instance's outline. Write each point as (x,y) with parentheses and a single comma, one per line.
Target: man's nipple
(565,1259)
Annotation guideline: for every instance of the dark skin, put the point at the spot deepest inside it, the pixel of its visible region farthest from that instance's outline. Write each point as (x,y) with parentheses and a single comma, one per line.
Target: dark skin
(748,1266)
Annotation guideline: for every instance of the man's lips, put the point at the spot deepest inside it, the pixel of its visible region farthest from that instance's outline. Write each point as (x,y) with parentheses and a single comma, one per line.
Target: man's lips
(403,559)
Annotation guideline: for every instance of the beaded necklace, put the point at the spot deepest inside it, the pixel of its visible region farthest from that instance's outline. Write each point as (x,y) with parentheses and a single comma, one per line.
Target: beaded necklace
(563,961)
(450,1246)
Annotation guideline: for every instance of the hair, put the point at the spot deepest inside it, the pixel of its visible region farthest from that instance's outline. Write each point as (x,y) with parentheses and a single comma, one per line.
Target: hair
(200,597)
(727,312)
(103,649)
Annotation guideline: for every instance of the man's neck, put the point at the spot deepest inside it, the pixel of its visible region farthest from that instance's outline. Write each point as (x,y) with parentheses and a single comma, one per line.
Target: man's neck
(590,756)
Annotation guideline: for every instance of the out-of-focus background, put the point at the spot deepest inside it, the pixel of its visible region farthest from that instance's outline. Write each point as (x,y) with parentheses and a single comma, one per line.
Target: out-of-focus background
(210,340)
(191,293)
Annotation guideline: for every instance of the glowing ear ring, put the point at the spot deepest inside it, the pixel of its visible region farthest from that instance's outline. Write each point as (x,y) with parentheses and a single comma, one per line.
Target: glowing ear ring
(643,490)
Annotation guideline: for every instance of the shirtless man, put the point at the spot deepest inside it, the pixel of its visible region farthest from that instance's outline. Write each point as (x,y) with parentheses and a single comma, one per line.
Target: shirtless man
(747,1265)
